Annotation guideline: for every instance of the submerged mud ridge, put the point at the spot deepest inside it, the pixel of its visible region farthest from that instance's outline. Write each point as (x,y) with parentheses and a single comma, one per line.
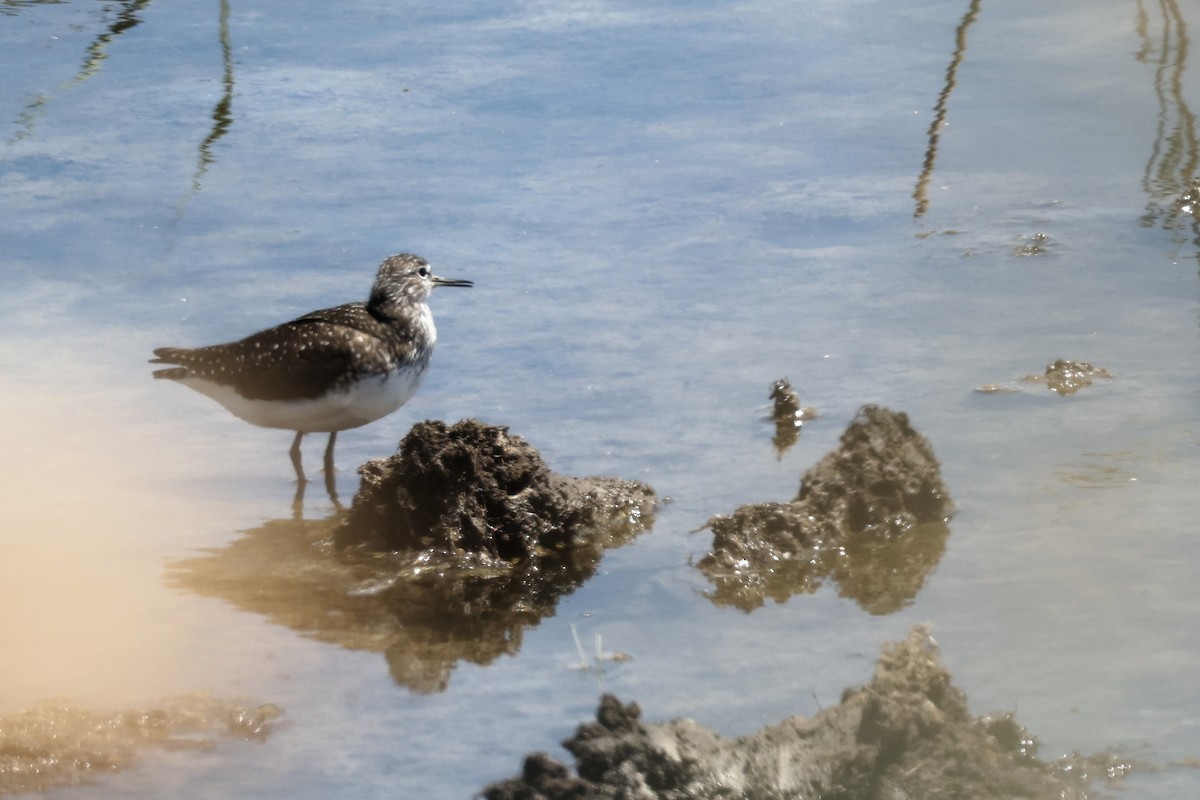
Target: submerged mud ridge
(453,547)
(907,734)
(871,515)
(51,746)
(1061,376)
(1068,377)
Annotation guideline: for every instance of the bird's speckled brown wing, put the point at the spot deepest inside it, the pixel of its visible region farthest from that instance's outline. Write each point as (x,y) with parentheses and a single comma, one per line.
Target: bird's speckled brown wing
(301,359)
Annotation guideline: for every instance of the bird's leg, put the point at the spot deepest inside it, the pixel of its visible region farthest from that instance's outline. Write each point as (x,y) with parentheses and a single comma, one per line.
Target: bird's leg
(298,503)
(295,454)
(329,451)
(330,477)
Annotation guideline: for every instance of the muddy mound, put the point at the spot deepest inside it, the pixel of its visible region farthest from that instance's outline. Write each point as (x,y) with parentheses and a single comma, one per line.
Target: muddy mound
(906,734)
(871,515)
(475,489)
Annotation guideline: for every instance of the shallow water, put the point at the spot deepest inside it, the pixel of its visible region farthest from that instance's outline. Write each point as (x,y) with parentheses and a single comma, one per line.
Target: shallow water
(665,207)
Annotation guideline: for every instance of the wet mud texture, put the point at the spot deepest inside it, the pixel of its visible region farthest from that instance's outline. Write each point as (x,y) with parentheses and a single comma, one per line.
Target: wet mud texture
(1062,376)
(788,415)
(907,734)
(1036,245)
(1068,377)
(51,746)
(453,548)
(871,516)
(476,492)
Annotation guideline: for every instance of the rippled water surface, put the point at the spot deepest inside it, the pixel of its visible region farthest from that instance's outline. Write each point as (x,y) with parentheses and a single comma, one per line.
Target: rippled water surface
(665,207)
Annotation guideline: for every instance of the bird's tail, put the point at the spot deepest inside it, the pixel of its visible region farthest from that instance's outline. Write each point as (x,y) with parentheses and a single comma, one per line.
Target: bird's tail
(169,355)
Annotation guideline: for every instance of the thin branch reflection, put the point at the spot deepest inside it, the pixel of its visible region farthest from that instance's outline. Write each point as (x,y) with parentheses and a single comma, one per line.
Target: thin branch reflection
(1175,155)
(96,54)
(222,114)
(940,109)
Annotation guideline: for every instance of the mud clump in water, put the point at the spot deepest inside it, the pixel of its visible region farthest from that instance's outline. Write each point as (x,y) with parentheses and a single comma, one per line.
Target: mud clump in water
(51,746)
(475,491)
(1062,376)
(788,415)
(1068,377)
(908,733)
(871,515)
(786,403)
(1036,245)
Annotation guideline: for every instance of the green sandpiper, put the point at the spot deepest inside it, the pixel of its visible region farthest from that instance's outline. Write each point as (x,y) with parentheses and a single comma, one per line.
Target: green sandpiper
(327,371)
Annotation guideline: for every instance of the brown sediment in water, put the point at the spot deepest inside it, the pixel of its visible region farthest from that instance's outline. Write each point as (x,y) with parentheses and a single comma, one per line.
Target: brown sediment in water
(454,546)
(906,734)
(788,415)
(56,745)
(1068,377)
(871,516)
(1035,245)
(1061,376)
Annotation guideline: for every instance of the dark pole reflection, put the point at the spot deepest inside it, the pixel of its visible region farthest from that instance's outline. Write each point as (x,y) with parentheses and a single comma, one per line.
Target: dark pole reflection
(1169,179)
(96,53)
(127,15)
(921,193)
(222,114)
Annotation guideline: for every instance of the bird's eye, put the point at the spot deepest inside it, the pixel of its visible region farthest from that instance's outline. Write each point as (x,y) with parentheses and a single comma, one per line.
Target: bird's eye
(423,272)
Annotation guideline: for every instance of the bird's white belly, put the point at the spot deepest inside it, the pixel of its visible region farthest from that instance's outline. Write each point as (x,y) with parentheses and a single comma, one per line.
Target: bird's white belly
(361,402)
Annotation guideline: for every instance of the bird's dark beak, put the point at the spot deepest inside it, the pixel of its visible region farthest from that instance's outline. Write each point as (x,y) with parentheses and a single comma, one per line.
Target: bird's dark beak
(449,282)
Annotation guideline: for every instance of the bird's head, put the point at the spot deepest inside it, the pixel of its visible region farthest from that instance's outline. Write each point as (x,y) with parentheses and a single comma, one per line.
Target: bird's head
(406,279)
